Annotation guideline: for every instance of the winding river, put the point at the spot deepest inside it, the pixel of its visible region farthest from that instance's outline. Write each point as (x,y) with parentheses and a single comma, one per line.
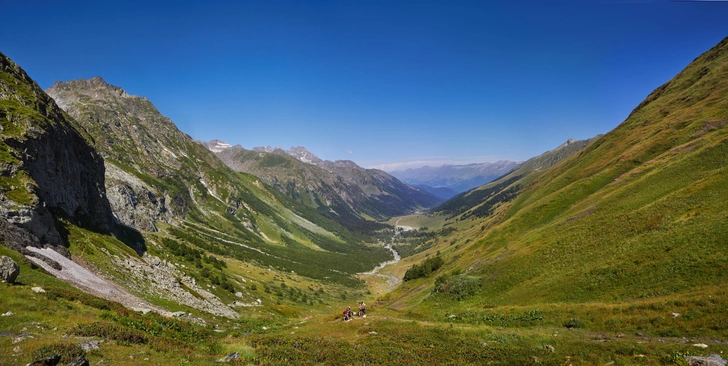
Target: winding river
(384,264)
(393,281)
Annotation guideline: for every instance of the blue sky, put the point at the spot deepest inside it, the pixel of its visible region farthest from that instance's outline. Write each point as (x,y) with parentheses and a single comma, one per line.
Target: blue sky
(386,84)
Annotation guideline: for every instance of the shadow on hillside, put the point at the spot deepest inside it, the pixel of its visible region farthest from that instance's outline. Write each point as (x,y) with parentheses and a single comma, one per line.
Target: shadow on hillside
(131,237)
(126,234)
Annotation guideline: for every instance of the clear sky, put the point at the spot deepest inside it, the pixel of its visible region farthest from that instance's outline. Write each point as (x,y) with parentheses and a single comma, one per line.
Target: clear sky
(383,83)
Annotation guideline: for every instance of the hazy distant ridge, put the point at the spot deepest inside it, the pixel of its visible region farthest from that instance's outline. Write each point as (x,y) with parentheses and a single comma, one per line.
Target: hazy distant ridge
(458,178)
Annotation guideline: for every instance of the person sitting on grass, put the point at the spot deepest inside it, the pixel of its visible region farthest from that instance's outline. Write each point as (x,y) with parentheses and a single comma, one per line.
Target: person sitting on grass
(362,309)
(347,314)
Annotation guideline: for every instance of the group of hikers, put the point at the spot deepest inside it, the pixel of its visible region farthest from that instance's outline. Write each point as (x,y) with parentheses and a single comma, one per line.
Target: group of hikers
(362,312)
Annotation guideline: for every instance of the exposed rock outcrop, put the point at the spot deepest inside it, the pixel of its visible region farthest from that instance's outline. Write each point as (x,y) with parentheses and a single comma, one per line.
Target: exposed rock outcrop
(154,171)
(231,357)
(135,203)
(9,270)
(165,280)
(47,165)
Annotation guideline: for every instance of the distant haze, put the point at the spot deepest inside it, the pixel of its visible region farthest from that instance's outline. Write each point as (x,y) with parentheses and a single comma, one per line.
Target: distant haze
(434,162)
(458,178)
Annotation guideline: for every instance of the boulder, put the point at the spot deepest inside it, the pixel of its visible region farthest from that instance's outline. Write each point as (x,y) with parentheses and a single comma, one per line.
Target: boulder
(48,361)
(8,269)
(230,357)
(79,361)
(90,345)
(710,360)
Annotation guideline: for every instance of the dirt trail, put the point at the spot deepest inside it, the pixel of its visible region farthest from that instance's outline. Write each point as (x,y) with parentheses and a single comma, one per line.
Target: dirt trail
(405,228)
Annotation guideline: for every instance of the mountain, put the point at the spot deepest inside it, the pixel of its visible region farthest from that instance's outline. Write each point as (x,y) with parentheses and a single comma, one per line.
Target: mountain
(442,192)
(194,211)
(48,170)
(216,145)
(633,219)
(483,200)
(340,189)
(304,183)
(458,178)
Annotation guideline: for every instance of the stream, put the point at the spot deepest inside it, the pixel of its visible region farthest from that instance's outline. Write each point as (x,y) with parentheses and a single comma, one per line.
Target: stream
(384,264)
(393,281)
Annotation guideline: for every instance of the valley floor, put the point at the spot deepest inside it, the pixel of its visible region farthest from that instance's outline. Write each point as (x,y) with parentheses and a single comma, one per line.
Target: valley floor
(62,320)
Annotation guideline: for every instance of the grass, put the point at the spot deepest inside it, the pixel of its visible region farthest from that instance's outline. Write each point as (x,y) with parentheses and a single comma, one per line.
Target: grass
(17,189)
(392,340)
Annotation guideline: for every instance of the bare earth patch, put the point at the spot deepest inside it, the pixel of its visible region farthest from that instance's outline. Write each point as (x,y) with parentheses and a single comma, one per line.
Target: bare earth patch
(82,278)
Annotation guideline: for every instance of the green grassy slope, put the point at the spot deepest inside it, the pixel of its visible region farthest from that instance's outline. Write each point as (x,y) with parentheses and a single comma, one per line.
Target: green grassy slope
(636,217)
(482,201)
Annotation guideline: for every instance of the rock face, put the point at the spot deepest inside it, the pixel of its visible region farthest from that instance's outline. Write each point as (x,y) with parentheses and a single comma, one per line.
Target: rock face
(132,136)
(135,203)
(47,167)
(9,270)
(154,171)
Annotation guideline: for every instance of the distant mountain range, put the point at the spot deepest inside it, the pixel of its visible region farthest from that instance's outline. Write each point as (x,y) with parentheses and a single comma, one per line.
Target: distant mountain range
(448,180)
(339,189)
(482,201)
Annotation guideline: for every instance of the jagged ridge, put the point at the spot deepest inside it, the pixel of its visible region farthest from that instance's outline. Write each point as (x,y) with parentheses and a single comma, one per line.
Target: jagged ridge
(340,189)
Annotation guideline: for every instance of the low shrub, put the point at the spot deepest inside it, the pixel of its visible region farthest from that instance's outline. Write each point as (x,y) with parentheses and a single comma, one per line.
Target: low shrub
(115,332)
(574,323)
(55,293)
(165,344)
(68,352)
(425,269)
(457,287)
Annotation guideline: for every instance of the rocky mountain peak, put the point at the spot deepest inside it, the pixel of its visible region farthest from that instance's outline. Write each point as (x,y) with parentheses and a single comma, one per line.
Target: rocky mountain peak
(298,152)
(302,154)
(567,143)
(345,164)
(216,145)
(267,149)
(90,87)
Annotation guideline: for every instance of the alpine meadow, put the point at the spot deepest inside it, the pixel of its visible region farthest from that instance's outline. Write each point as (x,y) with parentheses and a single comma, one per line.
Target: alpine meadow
(125,241)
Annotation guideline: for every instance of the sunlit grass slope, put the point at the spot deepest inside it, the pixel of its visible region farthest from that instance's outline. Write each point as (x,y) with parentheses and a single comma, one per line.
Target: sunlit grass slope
(637,215)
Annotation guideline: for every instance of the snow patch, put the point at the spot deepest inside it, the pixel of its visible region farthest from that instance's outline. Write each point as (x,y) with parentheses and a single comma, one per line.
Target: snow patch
(219,146)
